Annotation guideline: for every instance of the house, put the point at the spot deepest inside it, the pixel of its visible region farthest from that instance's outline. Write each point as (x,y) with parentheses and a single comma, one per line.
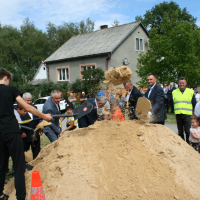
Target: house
(40,76)
(105,48)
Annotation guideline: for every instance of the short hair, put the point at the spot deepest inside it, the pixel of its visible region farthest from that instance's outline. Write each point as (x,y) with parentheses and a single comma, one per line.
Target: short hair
(182,78)
(128,82)
(4,72)
(107,113)
(172,83)
(101,99)
(195,118)
(114,102)
(198,88)
(151,74)
(55,92)
(26,94)
(19,106)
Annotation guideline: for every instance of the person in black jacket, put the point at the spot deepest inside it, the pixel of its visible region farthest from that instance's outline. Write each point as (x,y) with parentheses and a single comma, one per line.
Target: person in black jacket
(156,95)
(29,137)
(131,99)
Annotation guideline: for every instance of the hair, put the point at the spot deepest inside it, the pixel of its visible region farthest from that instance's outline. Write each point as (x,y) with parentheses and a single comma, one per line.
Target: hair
(128,82)
(151,74)
(26,94)
(101,99)
(172,83)
(107,113)
(198,88)
(4,72)
(195,118)
(19,106)
(182,78)
(114,102)
(120,91)
(55,92)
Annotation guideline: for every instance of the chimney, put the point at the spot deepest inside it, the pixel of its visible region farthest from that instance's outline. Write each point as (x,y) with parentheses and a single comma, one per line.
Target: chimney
(103,26)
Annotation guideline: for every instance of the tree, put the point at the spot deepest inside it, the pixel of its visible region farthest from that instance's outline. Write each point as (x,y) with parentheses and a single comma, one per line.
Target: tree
(115,23)
(173,54)
(92,78)
(154,18)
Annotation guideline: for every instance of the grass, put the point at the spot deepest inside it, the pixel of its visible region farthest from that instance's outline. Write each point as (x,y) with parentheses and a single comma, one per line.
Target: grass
(171,118)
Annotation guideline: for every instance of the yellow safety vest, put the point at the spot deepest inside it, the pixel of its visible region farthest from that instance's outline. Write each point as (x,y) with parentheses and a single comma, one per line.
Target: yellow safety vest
(182,102)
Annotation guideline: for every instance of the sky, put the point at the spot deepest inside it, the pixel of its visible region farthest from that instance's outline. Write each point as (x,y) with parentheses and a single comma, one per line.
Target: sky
(103,12)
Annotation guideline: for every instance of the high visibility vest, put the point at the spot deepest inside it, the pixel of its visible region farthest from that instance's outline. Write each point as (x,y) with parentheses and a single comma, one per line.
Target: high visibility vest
(182,102)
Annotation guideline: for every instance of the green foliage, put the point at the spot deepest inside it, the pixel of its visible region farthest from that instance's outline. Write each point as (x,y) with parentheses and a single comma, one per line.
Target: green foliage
(173,54)
(115,23)
(154,18)
(92,78)
(77,86)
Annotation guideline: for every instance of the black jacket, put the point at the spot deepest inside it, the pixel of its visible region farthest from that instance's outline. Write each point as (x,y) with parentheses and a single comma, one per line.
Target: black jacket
(157,101)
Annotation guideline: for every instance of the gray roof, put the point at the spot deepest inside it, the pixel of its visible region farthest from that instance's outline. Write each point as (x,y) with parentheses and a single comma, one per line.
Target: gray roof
(37,81)
(98,42)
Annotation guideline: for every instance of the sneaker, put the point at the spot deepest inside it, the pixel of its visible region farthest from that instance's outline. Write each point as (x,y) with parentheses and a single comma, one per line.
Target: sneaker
(4,197)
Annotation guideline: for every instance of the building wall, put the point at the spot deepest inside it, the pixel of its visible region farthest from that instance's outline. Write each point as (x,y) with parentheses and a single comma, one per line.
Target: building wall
(128,50)
(74,66)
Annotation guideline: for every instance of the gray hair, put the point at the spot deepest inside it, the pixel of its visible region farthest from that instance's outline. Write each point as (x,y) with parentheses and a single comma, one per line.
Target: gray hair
(55,92)
(101,99)
(26,94)
(198,88)
(172,83)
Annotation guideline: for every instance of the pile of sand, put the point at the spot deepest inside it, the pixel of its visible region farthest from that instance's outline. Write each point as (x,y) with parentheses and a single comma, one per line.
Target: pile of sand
(117,160)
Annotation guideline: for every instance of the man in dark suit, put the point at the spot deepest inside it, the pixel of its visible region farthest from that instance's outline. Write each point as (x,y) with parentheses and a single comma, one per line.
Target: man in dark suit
(28,137)
(131,99)
(52,107)
(91,118)
(156,95)
(171,103)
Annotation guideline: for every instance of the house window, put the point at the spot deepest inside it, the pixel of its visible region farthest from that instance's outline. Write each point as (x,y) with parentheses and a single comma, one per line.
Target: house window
(139,44)
(63,74)
(89,67)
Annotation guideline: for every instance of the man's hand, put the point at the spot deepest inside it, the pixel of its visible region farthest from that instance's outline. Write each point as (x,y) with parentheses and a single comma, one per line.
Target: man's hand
(149,115)
(47,117)
(98,119)
(23,135)
(61,134)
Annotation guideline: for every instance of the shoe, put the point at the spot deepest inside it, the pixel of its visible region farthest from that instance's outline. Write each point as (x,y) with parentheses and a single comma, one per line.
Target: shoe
(4,197)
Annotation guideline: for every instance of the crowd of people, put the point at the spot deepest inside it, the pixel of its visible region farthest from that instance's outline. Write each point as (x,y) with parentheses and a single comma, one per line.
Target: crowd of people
(14,140)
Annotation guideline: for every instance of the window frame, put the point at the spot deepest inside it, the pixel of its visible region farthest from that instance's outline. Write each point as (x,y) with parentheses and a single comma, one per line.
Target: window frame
(60,68)
(85,65)
(139,44)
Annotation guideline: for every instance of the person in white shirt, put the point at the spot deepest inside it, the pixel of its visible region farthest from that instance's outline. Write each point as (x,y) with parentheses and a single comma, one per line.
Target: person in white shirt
(197,96)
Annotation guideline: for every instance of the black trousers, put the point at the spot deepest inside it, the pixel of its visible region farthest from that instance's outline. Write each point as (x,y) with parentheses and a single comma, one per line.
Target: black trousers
(171,105)
(183,123)
(11,144)
(35,147)
(166,102)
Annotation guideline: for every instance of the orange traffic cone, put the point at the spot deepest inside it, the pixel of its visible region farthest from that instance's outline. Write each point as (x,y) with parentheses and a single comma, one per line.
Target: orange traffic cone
(36,187)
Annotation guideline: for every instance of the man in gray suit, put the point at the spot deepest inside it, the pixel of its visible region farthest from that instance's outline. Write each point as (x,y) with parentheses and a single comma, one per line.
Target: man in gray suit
(51,106)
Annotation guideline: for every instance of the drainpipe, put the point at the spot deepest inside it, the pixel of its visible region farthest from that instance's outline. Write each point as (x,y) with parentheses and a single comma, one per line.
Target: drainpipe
(109,54)
(47,71)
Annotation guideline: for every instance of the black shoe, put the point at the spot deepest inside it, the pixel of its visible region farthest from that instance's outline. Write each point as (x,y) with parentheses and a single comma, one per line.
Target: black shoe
(4,197)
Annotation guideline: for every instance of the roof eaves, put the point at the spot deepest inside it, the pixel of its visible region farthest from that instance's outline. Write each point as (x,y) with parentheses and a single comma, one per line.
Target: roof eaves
(128,35)
(64,59)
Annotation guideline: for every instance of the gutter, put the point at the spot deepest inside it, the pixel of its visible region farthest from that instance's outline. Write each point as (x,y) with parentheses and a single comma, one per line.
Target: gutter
(61,60)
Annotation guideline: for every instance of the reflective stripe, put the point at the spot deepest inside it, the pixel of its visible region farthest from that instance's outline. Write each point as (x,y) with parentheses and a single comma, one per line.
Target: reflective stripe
(183,102)
(183,109)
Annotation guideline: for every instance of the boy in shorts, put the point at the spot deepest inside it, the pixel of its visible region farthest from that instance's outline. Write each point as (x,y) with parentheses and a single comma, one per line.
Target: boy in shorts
(10,135)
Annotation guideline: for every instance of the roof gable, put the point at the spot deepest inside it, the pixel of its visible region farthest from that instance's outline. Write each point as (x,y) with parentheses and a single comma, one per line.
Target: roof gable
(98,42)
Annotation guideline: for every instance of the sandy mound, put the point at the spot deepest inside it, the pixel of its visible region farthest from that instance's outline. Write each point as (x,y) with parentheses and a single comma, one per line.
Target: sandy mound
(117,160)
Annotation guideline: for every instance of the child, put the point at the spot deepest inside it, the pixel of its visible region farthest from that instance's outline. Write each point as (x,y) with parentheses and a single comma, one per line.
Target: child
(107,115)
(71,123)
(195,134)
(19,111)
(116,112)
